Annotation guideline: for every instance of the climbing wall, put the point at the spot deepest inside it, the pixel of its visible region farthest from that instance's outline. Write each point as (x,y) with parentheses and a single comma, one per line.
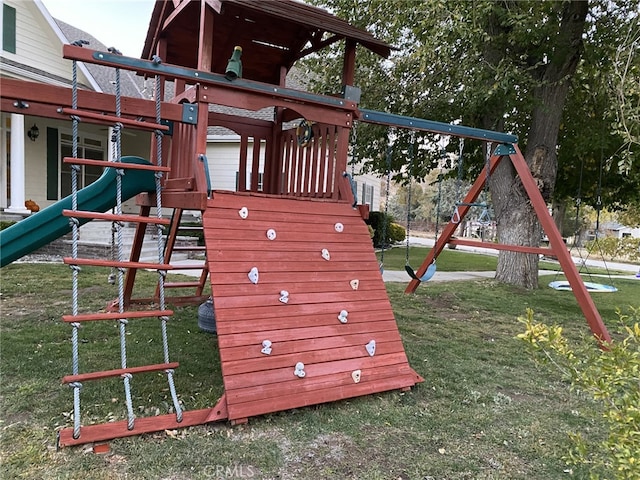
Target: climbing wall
(301,309)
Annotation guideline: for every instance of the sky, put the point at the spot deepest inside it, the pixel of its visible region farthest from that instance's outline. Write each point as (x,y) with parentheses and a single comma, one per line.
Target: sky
(116,23)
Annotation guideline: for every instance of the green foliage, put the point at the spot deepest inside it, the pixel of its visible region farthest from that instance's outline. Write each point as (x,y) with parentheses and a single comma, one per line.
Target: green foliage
(381,224)
(6,224)
(627,248)
(397,233)
(610,377)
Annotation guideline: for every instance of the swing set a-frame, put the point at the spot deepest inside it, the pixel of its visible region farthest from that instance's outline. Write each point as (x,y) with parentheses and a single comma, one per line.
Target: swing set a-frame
(506,149)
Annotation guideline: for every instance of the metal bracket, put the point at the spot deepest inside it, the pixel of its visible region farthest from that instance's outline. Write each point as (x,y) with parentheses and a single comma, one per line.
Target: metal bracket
(504,149)
(190,113)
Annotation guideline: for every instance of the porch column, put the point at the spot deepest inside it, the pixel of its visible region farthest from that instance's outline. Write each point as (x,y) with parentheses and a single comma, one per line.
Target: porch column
(17,166)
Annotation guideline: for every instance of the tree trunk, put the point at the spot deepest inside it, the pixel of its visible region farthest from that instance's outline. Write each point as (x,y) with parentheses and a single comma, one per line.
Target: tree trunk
(516,220)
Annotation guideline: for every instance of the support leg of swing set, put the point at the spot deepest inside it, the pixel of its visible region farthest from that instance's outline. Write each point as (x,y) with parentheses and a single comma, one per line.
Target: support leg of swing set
(556,243)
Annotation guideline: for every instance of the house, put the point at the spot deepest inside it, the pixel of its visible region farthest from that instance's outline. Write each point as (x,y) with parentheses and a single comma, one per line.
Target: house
(32,149)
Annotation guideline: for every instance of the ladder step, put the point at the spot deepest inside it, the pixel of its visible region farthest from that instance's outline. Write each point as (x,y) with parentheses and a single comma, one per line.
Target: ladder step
(199,248)
(116,264)
(112,120)
(90,317)
(83,377)
(115,218)
(107,164)
(181,284)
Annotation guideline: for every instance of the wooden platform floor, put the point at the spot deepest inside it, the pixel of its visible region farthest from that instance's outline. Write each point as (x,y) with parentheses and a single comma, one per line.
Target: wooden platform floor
(306,328)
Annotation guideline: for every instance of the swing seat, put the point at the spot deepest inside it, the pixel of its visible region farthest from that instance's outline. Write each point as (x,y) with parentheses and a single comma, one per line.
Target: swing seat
(592,287)
(430,272)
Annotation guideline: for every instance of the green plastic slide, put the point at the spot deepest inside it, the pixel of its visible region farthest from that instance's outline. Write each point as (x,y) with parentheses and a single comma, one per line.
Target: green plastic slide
(45,226)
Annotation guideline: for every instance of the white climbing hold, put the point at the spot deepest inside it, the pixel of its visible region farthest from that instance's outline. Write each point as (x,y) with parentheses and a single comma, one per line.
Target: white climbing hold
(371,348)
(325,254)
(254,275)
(284,296)
(356,375)
(354,283)
(339,227)
(271,234)
(299,371)
(243,212)
(343,316)
(266,347)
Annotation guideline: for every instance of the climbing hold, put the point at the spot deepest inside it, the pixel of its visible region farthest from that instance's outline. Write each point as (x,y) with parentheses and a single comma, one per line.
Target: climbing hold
(284,296)
(343,316)
(271,234)
(354,283)
(243,212)
(325,254)
(254,275)
(266,347)
(371,348)
(356,375)
(299,371)
(339,227)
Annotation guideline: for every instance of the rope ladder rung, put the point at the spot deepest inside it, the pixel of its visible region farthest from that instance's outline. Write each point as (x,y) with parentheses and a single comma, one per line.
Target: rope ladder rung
(113,119)
(107,164)
(83,377)
(116,263)
(90,317)
(115,217)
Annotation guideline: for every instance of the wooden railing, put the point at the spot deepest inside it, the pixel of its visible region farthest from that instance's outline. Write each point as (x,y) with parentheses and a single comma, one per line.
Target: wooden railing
(311,170)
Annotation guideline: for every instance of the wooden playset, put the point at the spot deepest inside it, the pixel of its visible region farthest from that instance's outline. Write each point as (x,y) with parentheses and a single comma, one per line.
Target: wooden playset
(302,314)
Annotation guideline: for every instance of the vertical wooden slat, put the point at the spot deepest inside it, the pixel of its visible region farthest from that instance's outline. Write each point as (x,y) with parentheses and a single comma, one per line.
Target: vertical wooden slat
(255,165)
(322,184)
(286,171)
(331,161)
(308,157)
(298,154)
(314,163)
(242,168)
(342,145)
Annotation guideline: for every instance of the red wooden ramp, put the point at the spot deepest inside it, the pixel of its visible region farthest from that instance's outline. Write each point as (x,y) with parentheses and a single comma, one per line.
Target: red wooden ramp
(290,314)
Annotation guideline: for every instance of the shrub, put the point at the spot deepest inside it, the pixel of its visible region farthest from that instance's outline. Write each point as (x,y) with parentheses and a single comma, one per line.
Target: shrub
(397,233)
(377,220)
(626,248)
(612,379)
(6,224)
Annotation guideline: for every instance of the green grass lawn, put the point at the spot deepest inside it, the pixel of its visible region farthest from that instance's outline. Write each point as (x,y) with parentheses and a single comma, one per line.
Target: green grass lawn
(459,261)
(485,410)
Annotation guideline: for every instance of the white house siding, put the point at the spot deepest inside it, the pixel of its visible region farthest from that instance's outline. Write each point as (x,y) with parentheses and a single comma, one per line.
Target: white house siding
(223,155)
(37,46)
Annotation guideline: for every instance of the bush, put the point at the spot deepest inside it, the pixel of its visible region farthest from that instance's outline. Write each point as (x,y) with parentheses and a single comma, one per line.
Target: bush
(377,221)
(611,378)
(6,224)
(397,233)
(626,248)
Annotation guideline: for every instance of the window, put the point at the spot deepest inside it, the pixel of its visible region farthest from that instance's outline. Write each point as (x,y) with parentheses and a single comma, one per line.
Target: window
(89,148)
(8,29)
(367,195)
